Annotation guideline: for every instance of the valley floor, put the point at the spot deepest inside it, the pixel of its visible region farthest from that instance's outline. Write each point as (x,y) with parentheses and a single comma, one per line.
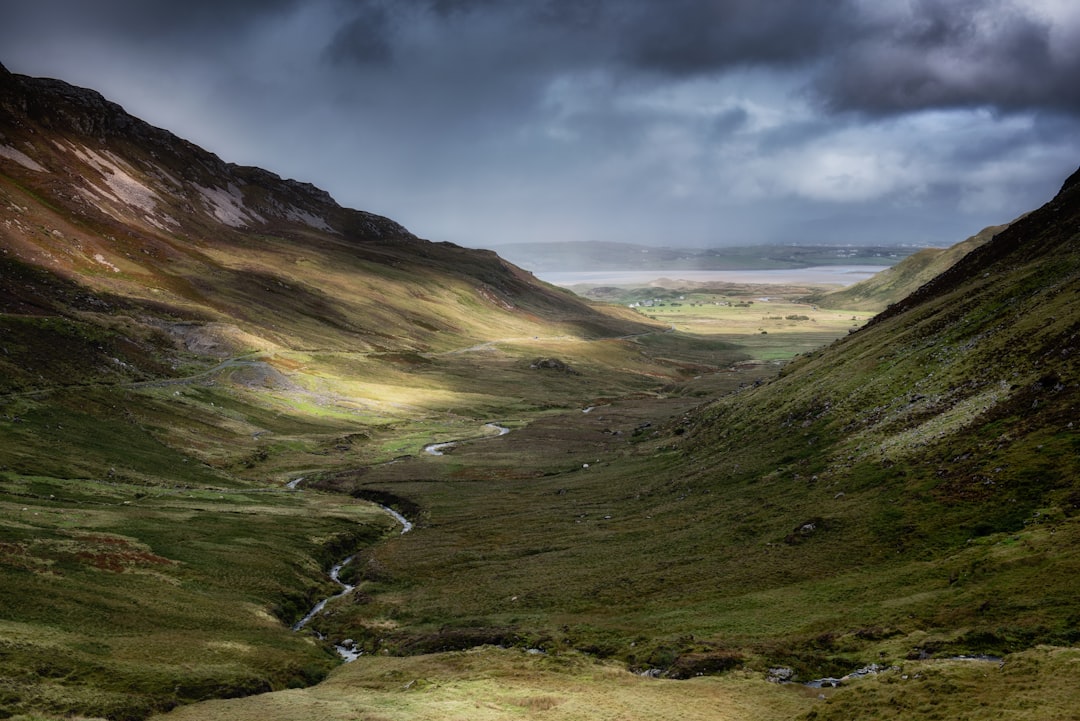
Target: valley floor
(581,565)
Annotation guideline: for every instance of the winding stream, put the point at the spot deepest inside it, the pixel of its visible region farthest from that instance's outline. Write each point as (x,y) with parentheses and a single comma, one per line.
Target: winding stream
(436,449)
(335,576)
(346,649)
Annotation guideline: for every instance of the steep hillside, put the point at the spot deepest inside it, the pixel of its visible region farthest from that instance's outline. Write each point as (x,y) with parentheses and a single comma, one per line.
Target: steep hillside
(904,278)
(949,418)
(152,228)
(981,360)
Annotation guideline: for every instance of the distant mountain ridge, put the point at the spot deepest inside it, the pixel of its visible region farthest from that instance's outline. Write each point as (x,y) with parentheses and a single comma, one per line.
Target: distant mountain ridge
(563,256)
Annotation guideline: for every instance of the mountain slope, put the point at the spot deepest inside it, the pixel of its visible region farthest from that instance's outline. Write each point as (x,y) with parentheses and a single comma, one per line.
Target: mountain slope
(96,196)
(179,338)
(895,283)
(967,384)
(949,417)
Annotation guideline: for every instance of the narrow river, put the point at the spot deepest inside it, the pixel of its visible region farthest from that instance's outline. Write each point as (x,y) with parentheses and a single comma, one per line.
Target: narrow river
(436,449)
(346,650)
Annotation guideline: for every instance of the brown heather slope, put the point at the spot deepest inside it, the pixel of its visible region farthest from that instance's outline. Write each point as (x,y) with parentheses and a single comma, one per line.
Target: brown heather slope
(104,216)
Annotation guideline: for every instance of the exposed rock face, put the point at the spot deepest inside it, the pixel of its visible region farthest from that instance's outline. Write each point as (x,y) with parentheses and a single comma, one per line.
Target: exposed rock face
(238,196)
(552,364)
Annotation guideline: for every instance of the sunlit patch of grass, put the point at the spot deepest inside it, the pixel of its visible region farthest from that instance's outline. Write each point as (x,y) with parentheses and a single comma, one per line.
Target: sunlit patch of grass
(773,328)
(1036,684)
(497,684)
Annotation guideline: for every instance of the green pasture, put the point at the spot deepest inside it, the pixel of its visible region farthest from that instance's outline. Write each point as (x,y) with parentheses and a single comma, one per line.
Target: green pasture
(612,533)
(766,327)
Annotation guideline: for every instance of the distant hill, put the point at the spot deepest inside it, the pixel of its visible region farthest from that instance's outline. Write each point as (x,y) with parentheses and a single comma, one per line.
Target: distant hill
(892,284)
(563,256)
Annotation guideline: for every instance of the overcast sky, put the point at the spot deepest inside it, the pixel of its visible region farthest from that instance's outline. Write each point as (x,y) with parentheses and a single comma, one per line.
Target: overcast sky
(674,122)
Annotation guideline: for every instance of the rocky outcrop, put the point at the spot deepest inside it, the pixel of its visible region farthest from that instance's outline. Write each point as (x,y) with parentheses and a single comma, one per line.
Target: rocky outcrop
(169,166)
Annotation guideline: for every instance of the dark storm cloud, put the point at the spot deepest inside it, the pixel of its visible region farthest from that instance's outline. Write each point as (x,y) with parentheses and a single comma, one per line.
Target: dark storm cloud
(729,121)
(366,38)
(134,20)
(955,54)
(920,55)
(681,37)
(669,37)
(917,55)
(711,120)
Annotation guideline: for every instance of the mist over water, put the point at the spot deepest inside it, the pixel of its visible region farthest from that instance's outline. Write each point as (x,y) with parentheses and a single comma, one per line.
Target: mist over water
(836,274)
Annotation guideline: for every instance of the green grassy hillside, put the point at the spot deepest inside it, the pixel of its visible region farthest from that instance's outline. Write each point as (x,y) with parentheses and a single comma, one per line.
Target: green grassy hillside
(178,338)
(893,284)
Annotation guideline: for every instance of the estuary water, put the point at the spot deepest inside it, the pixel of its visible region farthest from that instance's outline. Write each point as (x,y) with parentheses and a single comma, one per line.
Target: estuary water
(835,274)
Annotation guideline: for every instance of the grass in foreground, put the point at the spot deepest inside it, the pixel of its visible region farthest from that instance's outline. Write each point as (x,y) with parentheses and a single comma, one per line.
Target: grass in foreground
(506,684)
(148,553)
(495,684)
(581,533)
(122,599)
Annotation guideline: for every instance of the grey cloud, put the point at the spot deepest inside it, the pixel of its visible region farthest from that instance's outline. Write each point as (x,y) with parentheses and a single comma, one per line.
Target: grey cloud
(669,37)
(481,120)
(366,38)
(942,54)
(456,7)
(135,19)
(686,37)
(951,55)
(729,121)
